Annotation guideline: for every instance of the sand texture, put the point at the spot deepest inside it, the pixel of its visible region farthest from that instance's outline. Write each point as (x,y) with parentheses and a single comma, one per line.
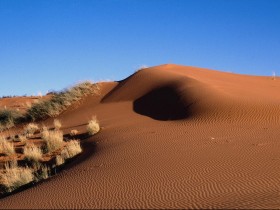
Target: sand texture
(172,137)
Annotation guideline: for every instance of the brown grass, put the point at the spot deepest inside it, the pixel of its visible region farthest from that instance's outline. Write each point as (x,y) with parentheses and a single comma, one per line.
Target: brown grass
(93,126)
(32,152)
(57,124)
(30,129)
(6,147)
(14,176)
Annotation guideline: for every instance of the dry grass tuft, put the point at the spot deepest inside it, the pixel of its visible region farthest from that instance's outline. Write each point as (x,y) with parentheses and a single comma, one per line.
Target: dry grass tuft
(33,152)
(6,147)
(59,160)
(71,149)
(8,118)
(53,139)
(30,129)
(14,176)
(57,124)
(22,138)
(73,132)
(93,126)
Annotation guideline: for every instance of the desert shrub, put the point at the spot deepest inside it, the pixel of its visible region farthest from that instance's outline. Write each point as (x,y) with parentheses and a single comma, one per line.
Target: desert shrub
(22,138)
(57,124)
(14,176)
(6,147)
(8,118)
(30,129)
(73,132)
(71,149)
(41,171)
(32,152)
(53,139)
(93,126)
(61,101)
(59,160)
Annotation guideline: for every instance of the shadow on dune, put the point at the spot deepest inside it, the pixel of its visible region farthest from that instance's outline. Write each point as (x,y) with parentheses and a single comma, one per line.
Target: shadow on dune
(162,104)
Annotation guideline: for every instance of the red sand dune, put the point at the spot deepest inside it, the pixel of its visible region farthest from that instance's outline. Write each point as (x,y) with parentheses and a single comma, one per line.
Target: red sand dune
(172,137)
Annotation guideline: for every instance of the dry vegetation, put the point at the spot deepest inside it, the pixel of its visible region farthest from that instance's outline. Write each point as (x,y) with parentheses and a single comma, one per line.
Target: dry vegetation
(13,176)
(93,126)
(61,101)
(6,148)
(43,109)
(46,144)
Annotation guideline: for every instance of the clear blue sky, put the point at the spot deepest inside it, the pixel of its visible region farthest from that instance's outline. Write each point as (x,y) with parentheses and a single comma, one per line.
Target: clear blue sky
(51,44)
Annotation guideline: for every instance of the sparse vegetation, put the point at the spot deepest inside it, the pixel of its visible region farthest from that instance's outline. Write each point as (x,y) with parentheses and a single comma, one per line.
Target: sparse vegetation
(71,149)
(53,139)
(93,126)
(73,132)
(8,118)
(60,101)
(59,160)
(30,129)
(43,109)
(14,176)
(57,124)
(22,138)
(32,152)
(6,148)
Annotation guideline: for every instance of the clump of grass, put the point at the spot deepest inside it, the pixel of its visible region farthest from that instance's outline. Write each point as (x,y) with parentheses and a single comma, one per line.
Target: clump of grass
(30,129)
(41,171)
(93,126)
(22,138)
(8,118)
(57,124)
(13,176)
(71,149)
(6,147)
(53,139)
(33,152)
(61,101)
(59,160)
(73,132)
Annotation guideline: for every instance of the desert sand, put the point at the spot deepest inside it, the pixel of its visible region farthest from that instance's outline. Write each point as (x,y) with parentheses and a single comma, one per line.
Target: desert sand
(172,137)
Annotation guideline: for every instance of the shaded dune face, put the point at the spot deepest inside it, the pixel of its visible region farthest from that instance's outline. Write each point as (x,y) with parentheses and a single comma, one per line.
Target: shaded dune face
(163,103)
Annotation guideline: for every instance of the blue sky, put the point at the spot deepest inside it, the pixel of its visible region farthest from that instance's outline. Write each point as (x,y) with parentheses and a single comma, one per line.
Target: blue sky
(51,44)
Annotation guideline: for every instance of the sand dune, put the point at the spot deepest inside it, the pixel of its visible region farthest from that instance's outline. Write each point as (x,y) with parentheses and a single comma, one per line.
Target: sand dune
(172,137)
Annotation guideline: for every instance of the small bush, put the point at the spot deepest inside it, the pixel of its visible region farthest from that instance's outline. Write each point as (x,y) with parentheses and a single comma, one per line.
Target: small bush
(93,126)
(57,124)
(6,147)
(71,149)
(22,138)
(13,176)
(41,171)
(30,129)
(32,152)
(59,160)
(73,132)
(53,139)
(8,118)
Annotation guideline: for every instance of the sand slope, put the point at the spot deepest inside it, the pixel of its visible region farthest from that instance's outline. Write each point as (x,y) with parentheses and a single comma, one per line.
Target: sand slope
(172,137)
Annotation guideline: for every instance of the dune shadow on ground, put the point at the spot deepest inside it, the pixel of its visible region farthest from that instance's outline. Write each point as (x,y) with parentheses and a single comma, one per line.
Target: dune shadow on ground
(163,103)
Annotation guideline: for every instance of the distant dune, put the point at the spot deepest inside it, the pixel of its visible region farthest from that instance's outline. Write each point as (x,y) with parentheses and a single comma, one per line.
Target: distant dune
(172,137)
